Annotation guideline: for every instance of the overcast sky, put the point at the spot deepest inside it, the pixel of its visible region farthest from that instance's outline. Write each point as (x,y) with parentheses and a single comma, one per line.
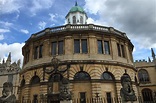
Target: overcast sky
(21,18)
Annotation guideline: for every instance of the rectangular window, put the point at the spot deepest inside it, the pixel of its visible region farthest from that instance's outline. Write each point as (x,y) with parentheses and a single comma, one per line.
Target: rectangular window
(60,47)
(108,94)
(107,48)
(100,47)
(82,97)
(35,100)
(123,51)
(40,51)
(36,52)
(27,56)
(54,48)
(84,46)
(119,51)
(76,46)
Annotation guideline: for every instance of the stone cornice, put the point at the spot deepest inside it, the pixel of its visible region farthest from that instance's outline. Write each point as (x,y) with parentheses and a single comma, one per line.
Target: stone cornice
(73,62)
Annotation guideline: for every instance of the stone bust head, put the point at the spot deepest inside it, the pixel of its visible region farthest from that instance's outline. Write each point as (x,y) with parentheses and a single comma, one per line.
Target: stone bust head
(126,83)
(7,89)
(127,92)
(7,96)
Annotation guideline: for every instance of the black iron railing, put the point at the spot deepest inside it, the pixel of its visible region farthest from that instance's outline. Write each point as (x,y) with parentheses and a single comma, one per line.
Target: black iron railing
(86,100)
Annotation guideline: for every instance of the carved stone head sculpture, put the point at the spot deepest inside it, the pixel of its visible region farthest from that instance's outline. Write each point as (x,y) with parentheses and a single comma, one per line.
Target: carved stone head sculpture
(127,92)
(64,90)
(7,96)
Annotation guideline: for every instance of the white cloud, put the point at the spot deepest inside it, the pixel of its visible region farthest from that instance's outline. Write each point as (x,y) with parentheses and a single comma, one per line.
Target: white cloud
(52,16)
(9,6)
(90,21)
(42,24)
(15,49)
(129,16)
(39,5)
(6,24)
(24,31)
(33,6)
(94,7)
(4,30)
(1,37)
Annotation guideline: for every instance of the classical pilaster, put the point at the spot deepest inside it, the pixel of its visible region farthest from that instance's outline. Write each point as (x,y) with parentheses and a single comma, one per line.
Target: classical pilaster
(96,90)
(114,49)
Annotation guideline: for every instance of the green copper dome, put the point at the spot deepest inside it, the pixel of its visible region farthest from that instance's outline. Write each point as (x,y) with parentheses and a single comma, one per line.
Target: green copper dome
(76,8)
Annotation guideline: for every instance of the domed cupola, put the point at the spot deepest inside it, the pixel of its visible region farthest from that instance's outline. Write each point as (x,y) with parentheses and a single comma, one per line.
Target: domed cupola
(76,15)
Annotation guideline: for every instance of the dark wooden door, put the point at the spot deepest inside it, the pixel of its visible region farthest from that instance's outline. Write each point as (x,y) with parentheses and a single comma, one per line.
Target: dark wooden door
(53,98)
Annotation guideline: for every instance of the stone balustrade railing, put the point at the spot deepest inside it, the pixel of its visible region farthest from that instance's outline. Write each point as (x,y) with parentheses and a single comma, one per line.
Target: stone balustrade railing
(70,27)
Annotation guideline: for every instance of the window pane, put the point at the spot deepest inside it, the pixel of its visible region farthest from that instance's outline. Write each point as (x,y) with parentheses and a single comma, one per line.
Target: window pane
(35,80)
(76,46)
(107,49)
(119,51)
(60,47)
(84,46)
(107,76)
(36,52)
(74,20)
(81,20)
(40,51)
(123,51)
(109,97)
(143,76)
(68,21)
(147,95)
(100,47)
(27,56)
(35,98)
(53,48)
(82,76)
(82,97)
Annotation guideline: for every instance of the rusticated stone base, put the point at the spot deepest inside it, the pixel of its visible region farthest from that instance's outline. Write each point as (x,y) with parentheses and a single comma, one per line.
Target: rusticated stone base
(70,101)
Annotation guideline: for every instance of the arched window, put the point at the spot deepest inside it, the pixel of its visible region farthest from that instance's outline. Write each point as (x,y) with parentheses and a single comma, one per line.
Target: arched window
(68,21)
(107,76)
(55,77)
(22,82)
(74,20)
(35,80)
(82,75)
(143,76)
(81,20)
(147,95)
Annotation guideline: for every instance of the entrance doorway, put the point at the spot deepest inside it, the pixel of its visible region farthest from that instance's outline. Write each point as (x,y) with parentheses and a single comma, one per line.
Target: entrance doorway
(53,98)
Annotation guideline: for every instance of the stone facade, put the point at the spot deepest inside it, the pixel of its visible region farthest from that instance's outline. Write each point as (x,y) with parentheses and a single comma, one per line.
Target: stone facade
(92,58)
(9,72)
(92,64)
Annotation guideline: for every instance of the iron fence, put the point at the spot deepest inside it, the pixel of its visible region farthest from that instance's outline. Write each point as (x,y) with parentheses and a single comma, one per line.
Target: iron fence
(86,100)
